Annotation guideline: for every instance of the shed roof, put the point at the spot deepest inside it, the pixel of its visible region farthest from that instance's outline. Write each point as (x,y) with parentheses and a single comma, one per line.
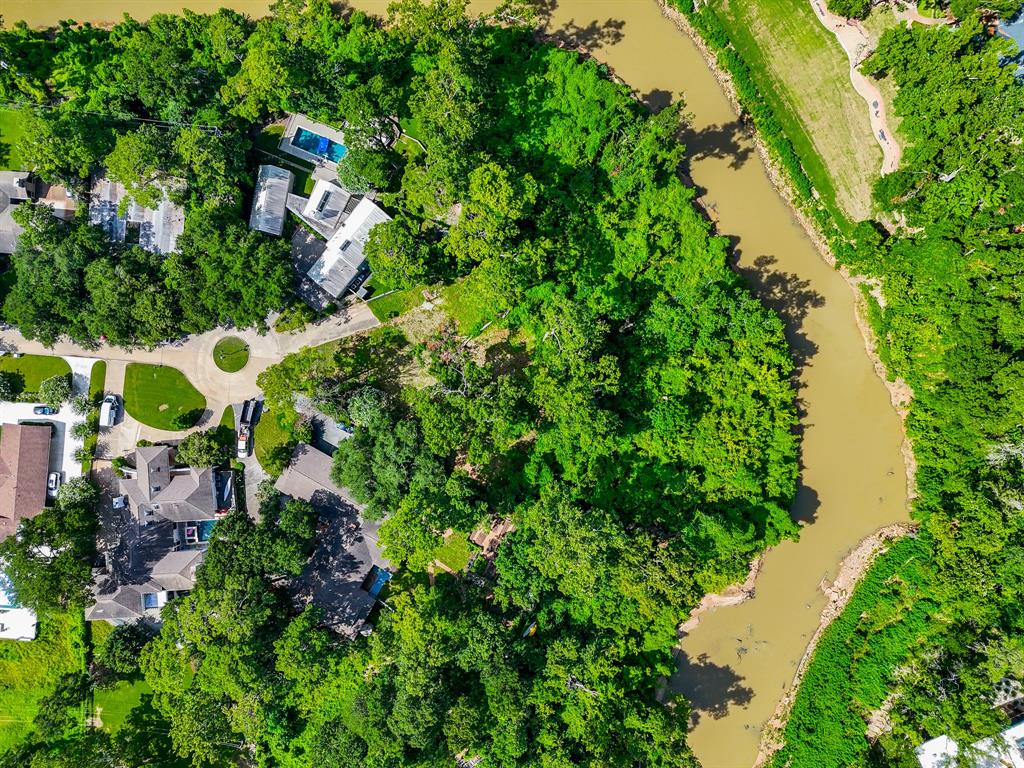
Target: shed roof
(269,199)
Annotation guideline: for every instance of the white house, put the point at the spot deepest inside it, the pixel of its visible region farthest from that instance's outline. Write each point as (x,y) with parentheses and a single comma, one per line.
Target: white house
(343,257)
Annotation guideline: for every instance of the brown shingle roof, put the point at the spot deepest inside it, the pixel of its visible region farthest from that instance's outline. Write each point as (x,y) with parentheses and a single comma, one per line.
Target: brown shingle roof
(24,462)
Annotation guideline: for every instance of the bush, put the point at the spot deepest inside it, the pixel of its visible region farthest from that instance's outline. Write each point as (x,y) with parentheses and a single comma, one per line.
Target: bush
(122,648)
(82,405)
(84,429)
(202,449)
(6,389)
(82,455)
(118,465)
(55,391)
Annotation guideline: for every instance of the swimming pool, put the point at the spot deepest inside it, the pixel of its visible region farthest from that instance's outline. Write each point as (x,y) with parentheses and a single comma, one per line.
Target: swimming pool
(318,145)
(206,529)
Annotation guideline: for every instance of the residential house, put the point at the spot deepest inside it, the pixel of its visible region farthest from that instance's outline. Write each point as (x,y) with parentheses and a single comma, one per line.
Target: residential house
(273,185)
(19,187)
(24,465)
(325,207)
(172,513)
(1004,750)
(347,570)
(155,229)
(343,258)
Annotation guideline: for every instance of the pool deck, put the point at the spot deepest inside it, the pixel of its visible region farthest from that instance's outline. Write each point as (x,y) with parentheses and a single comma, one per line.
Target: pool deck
(299,120)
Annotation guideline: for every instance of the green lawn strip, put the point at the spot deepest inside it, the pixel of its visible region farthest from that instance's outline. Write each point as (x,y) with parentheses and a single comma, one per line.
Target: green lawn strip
(747,46)
(97,382)
(387,304)
(11,129)
(157,395)
(29,371)
(29,670)
(849,675)
(456,551)
(273,443)
(231,354)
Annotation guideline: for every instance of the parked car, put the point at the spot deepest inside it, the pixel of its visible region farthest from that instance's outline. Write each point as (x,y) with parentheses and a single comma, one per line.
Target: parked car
(53,484)
(120,502)
(108,411)
(43,410)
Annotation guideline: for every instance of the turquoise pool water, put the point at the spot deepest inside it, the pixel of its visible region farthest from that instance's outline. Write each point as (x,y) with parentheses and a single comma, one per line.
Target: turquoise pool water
(318,145)
(206,529)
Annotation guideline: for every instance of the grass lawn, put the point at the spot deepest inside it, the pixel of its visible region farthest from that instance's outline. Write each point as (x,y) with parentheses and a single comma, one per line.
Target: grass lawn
(112,705)
(464,306)
(11,129)
(268,145)
(386,304)
(29,371)
(231,354)
(805,75)
(272,443)
(158,396)
(28,671)
(456,551)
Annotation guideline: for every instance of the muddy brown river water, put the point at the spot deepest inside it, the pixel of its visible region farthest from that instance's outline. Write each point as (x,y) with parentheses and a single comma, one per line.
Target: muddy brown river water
(740,660)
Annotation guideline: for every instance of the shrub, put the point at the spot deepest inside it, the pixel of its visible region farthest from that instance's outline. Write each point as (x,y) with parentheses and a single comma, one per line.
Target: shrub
(120,652)
(6,388)
(56,390)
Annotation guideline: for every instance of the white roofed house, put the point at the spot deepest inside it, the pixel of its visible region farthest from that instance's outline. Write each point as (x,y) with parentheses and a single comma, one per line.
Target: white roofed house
(343,258)
(157,228)
(273,185)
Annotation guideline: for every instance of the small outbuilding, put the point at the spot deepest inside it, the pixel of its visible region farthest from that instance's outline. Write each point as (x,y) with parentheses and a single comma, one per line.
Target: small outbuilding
(270,199)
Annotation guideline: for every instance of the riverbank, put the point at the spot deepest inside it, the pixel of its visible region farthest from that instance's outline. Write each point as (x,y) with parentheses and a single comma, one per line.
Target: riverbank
(900,393)
(838,593)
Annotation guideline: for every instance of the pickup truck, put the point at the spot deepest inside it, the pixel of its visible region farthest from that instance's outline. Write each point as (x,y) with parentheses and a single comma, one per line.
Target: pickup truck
(245,428)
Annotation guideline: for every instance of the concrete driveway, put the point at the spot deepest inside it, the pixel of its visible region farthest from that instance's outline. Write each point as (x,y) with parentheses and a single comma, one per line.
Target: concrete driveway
(62,445)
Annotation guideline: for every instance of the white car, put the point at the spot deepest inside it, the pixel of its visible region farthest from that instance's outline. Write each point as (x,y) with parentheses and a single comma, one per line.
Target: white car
(108,411)
(53,484)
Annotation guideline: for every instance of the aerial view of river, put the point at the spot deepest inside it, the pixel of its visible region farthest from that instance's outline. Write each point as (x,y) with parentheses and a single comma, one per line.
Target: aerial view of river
(740,660)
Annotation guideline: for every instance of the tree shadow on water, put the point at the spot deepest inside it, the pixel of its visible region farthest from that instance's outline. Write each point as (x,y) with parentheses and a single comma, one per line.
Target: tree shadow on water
(588,35)
(723,141)
(656,100)
(790,296)
(711,689)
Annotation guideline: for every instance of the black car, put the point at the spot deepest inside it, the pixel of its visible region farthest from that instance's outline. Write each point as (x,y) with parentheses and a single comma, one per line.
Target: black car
(43,410)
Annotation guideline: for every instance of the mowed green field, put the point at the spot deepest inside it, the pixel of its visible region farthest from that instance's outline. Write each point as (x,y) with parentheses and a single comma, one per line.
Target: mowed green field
(29,670)
(804,72)
(29,371)
(157,394)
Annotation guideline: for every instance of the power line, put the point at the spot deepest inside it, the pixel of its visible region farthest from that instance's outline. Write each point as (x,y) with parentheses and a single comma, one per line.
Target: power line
(214,129)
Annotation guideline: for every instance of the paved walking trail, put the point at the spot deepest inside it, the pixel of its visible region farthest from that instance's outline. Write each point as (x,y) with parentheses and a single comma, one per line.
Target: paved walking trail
(194,357)
(855,41)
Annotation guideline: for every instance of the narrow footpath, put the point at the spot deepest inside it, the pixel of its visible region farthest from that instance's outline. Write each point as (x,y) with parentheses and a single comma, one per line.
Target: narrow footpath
(855,42)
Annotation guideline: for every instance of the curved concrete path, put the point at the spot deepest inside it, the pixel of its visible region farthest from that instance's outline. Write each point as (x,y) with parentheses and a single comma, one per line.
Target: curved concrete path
(855,41)
(193,356)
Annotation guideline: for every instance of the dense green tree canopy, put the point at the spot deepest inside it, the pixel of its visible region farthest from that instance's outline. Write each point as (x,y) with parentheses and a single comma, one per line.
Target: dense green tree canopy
(628,412)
